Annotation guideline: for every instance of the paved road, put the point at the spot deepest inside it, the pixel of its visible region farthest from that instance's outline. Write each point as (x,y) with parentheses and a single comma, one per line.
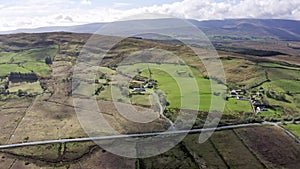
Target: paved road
(147,134)
(125,136)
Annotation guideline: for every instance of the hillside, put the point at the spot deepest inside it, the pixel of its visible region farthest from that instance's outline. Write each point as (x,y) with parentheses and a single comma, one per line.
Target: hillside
(230,29)
(42,108)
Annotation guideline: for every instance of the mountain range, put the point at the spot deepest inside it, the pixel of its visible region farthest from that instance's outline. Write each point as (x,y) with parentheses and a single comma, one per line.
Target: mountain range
(232,29)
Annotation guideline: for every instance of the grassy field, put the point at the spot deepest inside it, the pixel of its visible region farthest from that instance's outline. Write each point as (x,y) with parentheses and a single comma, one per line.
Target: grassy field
(234,106)
(292,86)
(182,85)
(294,128)
(40,68)
(5,69)
(241,72)
(280,74)
(36,55)
(105,94)
(277,112)
(142,100)
(284,80)
(27,87)
(27,61)
(272,65)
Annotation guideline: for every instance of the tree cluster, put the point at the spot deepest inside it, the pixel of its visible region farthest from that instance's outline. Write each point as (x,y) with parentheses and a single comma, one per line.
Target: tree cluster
(17,77)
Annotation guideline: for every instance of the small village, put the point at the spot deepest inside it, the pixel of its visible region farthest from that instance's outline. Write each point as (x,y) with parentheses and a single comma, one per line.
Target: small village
(254,97)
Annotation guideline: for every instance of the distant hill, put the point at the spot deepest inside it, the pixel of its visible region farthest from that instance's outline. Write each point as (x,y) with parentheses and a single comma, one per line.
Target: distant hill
(86,28)
(232,29)
(259,28)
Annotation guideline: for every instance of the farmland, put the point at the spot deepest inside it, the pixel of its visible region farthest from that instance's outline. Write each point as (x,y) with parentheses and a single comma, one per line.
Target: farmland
(230,149)
(43,109)
(294,128)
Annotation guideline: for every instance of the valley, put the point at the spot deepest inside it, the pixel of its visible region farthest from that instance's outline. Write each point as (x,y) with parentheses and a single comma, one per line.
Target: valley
(266,76)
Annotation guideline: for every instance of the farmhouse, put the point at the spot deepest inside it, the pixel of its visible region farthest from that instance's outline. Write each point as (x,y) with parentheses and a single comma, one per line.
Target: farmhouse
(260,109)
(138,90)
(148,85)
(233,93)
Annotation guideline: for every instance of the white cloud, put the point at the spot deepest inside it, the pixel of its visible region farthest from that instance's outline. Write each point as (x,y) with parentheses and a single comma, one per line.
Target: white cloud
(86,2)
(38,13)
(210,9)
(120,5)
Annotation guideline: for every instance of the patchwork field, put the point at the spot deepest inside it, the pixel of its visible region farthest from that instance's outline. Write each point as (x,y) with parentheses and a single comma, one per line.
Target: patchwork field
(238,148)
(269,143)
(44,109)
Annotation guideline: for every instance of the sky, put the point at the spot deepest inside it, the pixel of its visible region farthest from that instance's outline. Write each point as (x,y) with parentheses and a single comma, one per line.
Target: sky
(15,14)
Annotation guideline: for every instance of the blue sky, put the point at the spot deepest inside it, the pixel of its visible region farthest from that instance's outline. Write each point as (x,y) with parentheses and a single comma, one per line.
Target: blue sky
(16,14)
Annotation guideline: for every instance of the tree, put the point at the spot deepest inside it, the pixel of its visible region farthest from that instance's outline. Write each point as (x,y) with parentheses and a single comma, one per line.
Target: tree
(20,93)
(48,61)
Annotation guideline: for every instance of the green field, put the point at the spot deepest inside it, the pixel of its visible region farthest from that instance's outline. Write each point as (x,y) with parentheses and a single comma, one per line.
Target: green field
(27,61)
(183,86)
(193,87)
(5,69)
(294,128)
(40,68)
(292,86)
(234,106)
(276,112)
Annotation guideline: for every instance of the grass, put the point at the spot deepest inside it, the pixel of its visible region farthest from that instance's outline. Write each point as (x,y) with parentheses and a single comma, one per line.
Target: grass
(140,100)
(5,69)
(27,61)
(40,68)
(105,94)
(283,86)
(234,106)
(5,57)
(34,55)
(37,54)
(183,86)
(241,72)
(107,70)
(85,89)
(24,86)
(288,85)
(265,64)
(294,128)
(181,89)
(280,74)
(297,99)
(277,112)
